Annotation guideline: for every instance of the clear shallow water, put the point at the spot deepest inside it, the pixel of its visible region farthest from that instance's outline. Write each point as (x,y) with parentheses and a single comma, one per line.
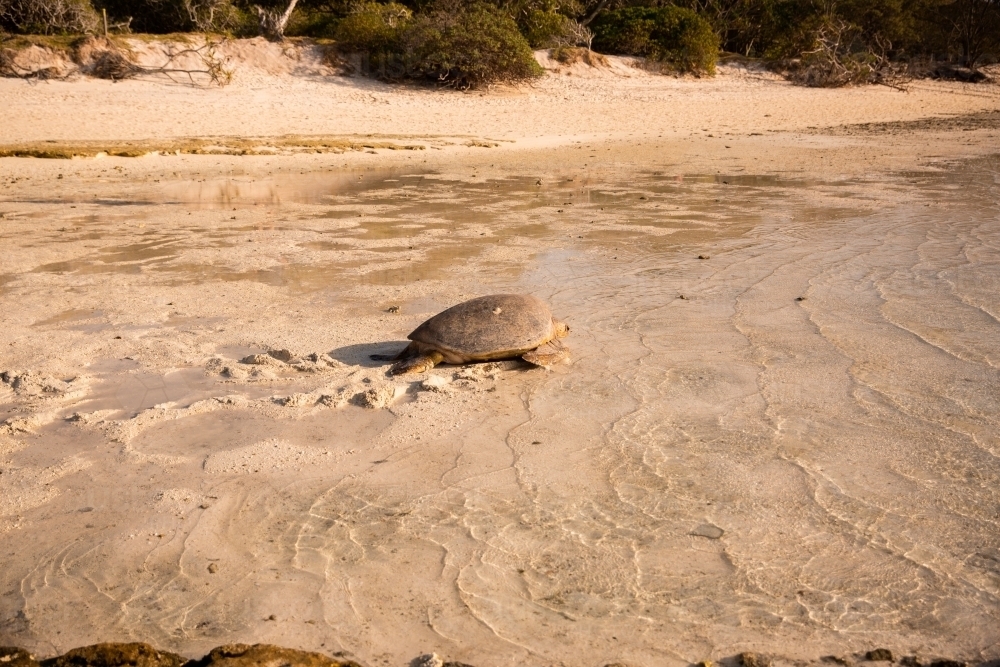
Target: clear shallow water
(800,456)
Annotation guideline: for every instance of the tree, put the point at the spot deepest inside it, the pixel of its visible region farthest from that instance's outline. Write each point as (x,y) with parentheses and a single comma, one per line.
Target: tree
(273,24)
(975,24)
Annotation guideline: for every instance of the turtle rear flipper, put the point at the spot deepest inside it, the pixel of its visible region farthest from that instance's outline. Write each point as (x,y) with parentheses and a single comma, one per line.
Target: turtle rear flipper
(418,364)
(546,355)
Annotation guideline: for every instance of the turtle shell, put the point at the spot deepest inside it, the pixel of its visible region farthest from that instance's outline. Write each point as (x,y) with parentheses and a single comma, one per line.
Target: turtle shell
(489,327)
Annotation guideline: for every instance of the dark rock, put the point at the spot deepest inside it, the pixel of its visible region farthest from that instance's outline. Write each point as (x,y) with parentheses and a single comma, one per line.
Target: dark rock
(748,659)
(879,654)
(116,655)
(835,658)
(947,663)
(955,73)
(910,661)
(427,660)
(281,355)
(266,655)
(11,656)
(711,531)
(704,257)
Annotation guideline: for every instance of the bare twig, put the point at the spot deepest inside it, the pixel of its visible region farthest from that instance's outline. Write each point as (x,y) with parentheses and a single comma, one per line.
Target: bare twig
(887,73)
(116,63)
(49,16)
(841,58)
(10,69)
(214,66)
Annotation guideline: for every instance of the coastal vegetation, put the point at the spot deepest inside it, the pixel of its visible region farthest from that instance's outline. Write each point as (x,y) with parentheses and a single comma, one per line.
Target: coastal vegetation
(677,37)
(469,43)
(463,46)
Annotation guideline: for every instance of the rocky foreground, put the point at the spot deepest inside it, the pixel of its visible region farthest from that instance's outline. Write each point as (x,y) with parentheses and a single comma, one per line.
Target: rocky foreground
(144,655)
(267,655)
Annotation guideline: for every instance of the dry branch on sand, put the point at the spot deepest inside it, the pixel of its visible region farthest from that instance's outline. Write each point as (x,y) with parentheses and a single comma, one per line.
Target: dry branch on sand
(9,68)
(838,61)
(106,59)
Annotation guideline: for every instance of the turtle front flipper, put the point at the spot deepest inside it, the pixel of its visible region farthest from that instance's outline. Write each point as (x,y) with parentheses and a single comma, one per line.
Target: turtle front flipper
(407,352)
(418,364)
(546,355)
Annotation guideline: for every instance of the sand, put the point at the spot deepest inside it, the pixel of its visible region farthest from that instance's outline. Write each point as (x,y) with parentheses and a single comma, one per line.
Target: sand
(777,432)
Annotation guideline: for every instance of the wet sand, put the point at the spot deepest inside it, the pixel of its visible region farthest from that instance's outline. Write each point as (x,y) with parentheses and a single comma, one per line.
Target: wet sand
(778,432)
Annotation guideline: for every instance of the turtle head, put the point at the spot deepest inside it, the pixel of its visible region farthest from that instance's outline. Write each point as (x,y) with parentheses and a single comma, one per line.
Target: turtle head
(561,329)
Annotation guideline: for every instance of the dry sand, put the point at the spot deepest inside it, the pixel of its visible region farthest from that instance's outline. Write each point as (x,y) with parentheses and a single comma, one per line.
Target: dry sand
(789,446)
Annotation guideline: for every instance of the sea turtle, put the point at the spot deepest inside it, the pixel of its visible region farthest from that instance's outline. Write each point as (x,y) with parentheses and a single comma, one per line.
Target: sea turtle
(499,326)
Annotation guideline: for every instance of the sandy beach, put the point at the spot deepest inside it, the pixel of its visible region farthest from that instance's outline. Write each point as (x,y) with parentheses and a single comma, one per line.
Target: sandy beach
(777,431)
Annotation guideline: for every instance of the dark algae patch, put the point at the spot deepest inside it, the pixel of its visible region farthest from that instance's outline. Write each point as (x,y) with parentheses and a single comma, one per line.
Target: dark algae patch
(116,655)
(136,654)
(265,655)
(16,657)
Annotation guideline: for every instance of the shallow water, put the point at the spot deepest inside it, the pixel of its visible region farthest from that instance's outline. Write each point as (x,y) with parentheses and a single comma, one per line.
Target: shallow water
(789,445)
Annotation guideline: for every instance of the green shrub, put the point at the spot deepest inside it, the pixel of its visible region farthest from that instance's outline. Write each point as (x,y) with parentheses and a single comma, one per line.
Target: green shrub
(546,29)
(673,36)
(477,45)
(372,28)
(464,48)
(310,22)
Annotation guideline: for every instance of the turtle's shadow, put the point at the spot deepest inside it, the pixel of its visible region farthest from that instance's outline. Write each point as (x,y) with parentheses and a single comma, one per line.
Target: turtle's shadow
(360,354)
